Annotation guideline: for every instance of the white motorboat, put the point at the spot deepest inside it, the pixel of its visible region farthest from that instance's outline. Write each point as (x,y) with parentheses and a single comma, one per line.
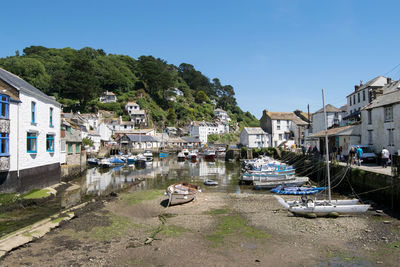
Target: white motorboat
(181,156)
(185,151)
(105,163)
(210,182)
(149,155)
(181,193)
(192,155)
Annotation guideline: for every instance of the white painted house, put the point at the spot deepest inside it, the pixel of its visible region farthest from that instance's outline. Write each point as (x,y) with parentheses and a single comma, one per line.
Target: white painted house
(222,115)
(254,137)
(202,129)
(138,116)
(364,94)
(108,97)
(29,135)
(334,117)
(285,128)
(380,124)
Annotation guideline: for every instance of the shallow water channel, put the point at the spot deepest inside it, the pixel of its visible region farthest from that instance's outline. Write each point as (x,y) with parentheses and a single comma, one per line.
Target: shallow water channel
(162,172)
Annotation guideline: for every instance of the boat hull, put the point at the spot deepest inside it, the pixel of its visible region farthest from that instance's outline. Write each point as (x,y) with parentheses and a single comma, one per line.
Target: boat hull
(177,196)
(298,181)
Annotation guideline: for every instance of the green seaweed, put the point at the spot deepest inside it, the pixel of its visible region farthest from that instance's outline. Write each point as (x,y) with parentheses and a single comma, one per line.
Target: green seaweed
(37,194)
(140,196)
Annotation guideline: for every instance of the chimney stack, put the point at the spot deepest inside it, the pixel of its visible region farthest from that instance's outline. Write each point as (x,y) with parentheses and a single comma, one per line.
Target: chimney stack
(356,87)
(389,80)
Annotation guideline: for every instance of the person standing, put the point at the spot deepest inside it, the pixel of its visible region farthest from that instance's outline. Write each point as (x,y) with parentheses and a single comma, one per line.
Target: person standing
(385,154)
(352,154)
(359,153)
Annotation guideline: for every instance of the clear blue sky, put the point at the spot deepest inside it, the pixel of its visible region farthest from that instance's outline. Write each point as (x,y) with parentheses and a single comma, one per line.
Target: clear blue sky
(277,54)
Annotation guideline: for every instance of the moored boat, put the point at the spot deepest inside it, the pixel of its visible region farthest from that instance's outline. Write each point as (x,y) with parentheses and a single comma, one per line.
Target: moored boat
(282,190)
(105,163)
(193,156)
(209,155)
(181,156)
(131,159)
(92,161)
(294,181)
(116,160)
(181,193)
(185,151)
(210,182)
(140,160)
(163,154)
(149,155)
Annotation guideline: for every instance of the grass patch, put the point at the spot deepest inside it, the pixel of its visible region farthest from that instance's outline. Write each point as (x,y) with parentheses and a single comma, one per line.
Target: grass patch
(37,194)
(235,224)
(119,225)
(140,196)
(57,220)
(217,211)
(394,245)
(173,230)
(7,198)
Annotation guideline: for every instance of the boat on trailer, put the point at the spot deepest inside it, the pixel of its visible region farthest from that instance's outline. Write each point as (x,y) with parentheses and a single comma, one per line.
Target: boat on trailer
(181,193)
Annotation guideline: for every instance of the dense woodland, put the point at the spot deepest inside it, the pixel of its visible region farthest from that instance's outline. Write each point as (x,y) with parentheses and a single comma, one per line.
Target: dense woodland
(78,77)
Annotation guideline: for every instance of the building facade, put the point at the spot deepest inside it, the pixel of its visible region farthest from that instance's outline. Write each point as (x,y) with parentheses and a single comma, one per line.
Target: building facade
(108,97)
(254,137)
(30,135)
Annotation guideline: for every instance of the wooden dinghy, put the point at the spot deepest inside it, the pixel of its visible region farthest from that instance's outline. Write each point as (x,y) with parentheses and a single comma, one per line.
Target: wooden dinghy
(181,193)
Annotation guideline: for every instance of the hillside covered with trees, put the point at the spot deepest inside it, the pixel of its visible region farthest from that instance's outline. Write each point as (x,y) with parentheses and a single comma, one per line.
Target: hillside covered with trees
(78,77)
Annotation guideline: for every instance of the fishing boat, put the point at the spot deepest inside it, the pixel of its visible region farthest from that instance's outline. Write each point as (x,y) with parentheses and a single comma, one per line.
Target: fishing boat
(163,154)
(192,155)
(185,151)
(209,155)
(116,160)
(140,160)
(92,161)
(307,206)
(181,156)
(131,159)
(149,155)
(105,163)
(210,182)
(181,193)
(282,190)
(289,182)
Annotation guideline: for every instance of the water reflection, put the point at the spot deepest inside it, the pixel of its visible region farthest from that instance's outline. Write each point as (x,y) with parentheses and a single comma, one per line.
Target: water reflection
(162,172)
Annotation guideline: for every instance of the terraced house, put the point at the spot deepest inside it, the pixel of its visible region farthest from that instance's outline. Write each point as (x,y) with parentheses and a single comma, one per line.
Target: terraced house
(29,135)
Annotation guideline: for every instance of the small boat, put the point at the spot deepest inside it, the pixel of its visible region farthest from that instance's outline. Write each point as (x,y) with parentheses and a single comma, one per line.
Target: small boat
(116,160)
(181,156)
(149,155)
(105,163)
(210,182)
(297,190)
(140,160)
(181,193)
(193,156)
(92,161)
(131,159)
(185,151)
(163,154)
(210,155)
(295,181)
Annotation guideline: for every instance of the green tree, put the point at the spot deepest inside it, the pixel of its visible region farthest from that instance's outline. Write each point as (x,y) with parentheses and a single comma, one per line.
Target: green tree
(171,116)
(201,97)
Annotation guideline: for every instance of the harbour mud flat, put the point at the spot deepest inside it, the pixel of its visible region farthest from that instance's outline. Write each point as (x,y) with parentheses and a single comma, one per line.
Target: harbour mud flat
(218,229)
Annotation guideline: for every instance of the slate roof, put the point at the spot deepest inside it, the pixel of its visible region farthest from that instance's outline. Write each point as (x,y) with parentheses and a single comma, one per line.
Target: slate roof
(20,84)
(254,130)
(340,131)
(329,108)
(141,138)
(390,96)
(191,139)
(286,116)
(371,83)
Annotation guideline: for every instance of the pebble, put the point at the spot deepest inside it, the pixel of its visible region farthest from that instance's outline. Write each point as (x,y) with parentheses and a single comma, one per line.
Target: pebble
(368,231)
(379,262)
(379,211)
(386,222)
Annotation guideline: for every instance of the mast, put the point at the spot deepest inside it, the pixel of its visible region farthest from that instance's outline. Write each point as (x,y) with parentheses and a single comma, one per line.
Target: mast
(326,149)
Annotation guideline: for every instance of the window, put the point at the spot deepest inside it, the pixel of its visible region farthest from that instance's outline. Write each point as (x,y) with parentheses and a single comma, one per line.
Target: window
(350,100)
(369,114)
(354,99)
(4,106)
(278,127)
(288,121)
(391,137)
(69,148)
(4,144)
(50,143)
(388,113)
(31,143)
(278,122)
(77,148)
(364,95)
(51,117)
(33,107)
(369,137)
(280,136)
(358,97)
(258,136)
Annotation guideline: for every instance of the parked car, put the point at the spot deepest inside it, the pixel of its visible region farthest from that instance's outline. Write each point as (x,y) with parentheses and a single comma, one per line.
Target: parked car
(368,153)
